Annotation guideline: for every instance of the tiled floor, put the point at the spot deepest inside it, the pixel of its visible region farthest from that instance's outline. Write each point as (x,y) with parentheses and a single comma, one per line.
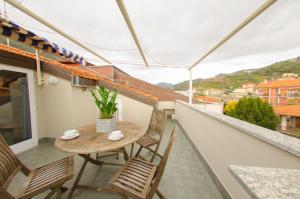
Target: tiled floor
(184,177)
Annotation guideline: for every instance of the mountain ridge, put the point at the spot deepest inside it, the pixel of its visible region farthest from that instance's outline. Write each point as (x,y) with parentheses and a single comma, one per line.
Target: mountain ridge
(234,80)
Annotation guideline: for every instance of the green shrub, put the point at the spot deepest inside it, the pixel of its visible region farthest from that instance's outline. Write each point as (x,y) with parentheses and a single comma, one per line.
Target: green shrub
(255,111)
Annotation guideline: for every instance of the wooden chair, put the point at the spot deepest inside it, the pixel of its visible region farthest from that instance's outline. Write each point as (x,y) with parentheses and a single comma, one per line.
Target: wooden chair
(156,126)
(49,177)
(139,179)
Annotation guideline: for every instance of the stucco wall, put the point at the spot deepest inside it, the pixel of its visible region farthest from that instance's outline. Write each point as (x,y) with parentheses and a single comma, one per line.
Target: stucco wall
(222,145)
(63,106)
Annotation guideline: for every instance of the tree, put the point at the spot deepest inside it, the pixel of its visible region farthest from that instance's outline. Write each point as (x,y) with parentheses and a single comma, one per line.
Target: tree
(229,107)
(255,111)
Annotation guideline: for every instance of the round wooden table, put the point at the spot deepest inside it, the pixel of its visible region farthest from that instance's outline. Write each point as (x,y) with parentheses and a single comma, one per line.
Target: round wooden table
(90,141)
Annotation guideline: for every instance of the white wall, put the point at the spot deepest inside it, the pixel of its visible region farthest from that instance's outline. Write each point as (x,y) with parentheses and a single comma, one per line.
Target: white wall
(62,106)
(135,111)
(222,145)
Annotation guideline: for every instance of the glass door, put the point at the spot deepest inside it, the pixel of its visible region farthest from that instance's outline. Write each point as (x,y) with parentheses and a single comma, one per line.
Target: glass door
(15,110)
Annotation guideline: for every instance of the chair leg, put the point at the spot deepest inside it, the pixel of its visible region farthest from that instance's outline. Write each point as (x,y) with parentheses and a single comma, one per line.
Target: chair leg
(139,151)
(124,196)
(160,195)
(77,179)
(58,194)
(51,193)
(154,153)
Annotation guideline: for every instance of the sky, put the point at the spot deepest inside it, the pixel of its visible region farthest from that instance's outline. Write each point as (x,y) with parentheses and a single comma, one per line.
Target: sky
(172,32)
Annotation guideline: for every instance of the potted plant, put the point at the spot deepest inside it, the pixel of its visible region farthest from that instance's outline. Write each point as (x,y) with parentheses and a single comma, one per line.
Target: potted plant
(105,101)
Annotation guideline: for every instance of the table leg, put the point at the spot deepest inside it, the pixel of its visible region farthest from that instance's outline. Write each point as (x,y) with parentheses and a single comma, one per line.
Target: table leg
(126,157)
(78,178)
(131,150)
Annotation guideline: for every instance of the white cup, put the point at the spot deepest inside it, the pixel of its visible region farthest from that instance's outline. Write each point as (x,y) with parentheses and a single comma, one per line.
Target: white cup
(116,133)
(70,133)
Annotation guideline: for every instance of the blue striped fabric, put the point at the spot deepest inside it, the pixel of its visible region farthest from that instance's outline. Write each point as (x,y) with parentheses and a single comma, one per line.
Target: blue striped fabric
(12,30)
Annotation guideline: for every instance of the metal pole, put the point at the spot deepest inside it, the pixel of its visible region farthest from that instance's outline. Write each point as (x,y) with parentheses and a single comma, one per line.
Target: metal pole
(240,26)
(38,68)
(190,86)
(131,28)
(19,6)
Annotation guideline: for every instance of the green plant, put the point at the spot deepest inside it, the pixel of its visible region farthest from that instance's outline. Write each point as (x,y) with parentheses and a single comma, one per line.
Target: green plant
(255,111)
(105,100)
(229,107)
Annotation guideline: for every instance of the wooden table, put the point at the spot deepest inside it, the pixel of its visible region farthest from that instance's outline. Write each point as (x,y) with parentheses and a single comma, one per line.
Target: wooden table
(91,142)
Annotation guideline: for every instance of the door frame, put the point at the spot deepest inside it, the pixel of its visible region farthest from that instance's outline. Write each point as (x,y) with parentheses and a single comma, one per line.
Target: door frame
(27,144)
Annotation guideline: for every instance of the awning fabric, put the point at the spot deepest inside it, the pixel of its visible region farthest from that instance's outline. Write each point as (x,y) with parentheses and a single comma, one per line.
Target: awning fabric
(15,32)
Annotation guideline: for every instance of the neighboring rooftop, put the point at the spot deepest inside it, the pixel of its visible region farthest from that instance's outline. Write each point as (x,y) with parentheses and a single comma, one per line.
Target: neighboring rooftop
(288,110)
(280,83)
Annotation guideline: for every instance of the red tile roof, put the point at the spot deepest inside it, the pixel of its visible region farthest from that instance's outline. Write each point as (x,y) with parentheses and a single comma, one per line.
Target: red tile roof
(288,110)
(207,99)
(72,69)
(86,72)
(280,83)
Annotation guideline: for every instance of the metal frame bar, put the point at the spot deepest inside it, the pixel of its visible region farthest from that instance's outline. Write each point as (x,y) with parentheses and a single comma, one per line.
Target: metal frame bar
(131,29)
(239,27)
(190,86)
(19,6)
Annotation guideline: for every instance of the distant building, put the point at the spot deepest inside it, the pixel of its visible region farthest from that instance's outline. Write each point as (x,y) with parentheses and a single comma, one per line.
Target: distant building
(213,92)
(284,96)
(290,116)
(245,90)
(206,99)
(280,92)
(288,76)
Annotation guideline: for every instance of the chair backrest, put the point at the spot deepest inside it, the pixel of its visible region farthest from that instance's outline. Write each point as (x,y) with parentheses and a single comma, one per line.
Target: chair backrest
(161,166)
(157,122)
(9,164)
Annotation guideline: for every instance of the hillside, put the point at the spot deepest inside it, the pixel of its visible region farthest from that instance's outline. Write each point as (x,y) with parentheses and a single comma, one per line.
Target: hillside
(165,85)
(236,79)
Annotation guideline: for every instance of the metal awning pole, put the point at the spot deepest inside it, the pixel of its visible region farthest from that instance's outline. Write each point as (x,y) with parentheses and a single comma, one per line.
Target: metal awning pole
(19,6)
(239,27)
(131,28)
(190,86)
(38,68)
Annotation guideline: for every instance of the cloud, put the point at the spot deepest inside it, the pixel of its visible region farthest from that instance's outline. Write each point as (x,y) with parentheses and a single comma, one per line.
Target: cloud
(173,32)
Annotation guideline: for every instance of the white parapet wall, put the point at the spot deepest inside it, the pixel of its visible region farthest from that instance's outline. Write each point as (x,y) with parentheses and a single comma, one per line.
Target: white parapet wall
(223,141)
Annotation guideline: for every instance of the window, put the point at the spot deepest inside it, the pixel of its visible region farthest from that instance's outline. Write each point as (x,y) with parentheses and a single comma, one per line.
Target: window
(15,124)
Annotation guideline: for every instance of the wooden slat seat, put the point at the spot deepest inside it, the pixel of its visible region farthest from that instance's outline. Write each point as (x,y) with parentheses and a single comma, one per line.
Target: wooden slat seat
(156,127)
(147,141)
(51,175)
(139,179)
(136,175)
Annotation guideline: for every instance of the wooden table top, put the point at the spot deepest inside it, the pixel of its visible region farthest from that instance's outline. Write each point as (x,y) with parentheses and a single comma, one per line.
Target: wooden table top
(91,142)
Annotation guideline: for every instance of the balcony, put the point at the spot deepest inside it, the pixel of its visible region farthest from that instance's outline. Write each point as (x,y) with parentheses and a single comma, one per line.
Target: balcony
(184,177)
(214,156)
(212,153)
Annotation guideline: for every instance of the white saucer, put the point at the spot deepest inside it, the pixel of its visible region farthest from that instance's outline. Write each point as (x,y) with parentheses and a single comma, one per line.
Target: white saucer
(114,138)
(64,137)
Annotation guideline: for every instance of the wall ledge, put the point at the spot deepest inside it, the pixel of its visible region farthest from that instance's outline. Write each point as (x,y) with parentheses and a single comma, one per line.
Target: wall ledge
(262,182)
(284,142)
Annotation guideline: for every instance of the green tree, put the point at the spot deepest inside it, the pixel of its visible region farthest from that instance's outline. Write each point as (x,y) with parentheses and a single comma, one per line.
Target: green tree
(255,111)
